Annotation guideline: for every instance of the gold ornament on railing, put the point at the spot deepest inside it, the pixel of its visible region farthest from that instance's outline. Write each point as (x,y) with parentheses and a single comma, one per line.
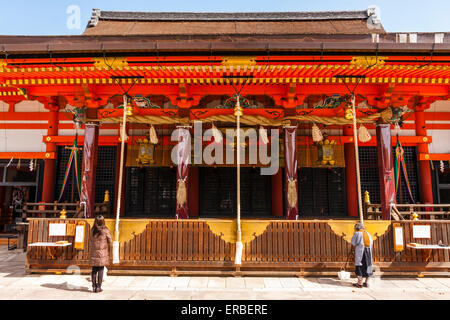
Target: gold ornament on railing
(106,198)
(366,197)
(325,151)
(63,214)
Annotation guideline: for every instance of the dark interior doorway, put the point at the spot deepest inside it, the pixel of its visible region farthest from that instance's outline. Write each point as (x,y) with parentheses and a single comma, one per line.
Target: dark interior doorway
(322,192)
(151,192)
(217,196)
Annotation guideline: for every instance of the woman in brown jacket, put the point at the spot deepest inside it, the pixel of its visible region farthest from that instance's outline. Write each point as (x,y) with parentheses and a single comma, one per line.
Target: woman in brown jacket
(99,243)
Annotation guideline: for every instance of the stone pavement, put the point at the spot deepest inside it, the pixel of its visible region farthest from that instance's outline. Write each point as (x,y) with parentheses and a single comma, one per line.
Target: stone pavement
(15,284)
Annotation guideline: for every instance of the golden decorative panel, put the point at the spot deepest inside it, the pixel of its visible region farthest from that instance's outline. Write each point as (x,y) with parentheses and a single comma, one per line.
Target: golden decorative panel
(345,228)
(128,229)
(226,229)
(110,63)
(239,61)
(367,61)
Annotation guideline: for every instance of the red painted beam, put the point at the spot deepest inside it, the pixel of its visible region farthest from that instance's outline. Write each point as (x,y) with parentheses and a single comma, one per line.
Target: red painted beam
(28,155)
(68,140)
(433,156)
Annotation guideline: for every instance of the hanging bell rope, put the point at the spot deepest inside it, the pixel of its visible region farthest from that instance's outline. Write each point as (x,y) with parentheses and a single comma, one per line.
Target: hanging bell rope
(363,134)
(181,192)
(292,195)
(263,135)
(316,133)
(216,133)
(153,136)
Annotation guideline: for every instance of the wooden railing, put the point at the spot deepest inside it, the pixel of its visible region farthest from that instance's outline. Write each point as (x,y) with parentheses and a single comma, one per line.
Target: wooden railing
(284,245)
(407,211)
(53,210)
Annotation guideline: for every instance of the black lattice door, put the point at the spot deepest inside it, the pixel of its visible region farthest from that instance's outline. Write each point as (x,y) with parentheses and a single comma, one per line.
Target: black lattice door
(321,192)
(151,192)
(217,194)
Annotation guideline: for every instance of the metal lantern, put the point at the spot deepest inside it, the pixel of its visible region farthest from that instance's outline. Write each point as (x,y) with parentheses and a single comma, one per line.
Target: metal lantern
(145,151)
(325,152)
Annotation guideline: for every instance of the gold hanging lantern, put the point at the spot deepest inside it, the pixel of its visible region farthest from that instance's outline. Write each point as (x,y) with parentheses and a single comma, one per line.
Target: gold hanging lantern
(325,151)
(146,151)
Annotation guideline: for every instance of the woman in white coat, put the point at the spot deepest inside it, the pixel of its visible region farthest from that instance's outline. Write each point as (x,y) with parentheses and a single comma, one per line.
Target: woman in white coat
(362,241)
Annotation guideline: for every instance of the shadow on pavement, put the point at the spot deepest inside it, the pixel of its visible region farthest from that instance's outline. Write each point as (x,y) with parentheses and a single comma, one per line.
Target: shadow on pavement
(65,286)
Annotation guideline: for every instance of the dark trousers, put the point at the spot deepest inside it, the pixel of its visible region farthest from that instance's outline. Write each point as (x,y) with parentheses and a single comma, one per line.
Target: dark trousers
(365,270)
(97,276)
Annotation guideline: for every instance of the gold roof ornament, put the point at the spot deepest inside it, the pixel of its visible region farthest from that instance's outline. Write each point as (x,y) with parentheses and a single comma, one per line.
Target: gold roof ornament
(239,61)
(110,62)
(368,61)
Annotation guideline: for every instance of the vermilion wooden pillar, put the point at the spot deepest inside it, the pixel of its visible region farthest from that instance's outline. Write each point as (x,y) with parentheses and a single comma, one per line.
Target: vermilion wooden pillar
(48,185)
(385,168)
(350,175)
(277,193)
(90,153)
(426,189)
(193,191)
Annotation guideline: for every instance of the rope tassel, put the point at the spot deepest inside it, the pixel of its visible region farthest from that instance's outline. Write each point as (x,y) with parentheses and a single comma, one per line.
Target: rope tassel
(181,192)
(216,133)
(263,135)
(363,134)
(316,133)
(292,193)
(153,136)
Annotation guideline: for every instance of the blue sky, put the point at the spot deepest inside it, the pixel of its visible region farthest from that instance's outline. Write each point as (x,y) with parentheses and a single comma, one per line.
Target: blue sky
(49,17)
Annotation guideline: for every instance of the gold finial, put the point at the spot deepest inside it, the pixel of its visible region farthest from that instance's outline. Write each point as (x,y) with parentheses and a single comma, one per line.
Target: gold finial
(62,214)
(414,216)
(366,197)
(106,199)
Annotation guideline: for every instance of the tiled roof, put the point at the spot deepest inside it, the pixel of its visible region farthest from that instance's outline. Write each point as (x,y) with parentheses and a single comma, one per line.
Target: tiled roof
(231,16)
(233,23)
